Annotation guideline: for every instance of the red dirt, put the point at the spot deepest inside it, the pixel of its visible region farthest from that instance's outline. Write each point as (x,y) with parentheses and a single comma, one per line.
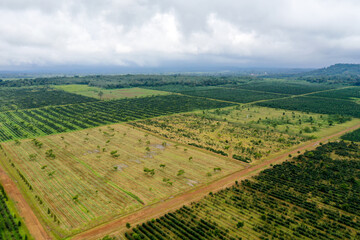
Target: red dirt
(163,207)
(25,211)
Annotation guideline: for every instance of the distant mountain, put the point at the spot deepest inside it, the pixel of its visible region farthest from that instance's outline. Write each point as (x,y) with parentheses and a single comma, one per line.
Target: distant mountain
(334,74)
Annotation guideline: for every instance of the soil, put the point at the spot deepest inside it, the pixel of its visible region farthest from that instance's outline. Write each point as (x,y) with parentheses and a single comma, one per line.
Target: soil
(31,221)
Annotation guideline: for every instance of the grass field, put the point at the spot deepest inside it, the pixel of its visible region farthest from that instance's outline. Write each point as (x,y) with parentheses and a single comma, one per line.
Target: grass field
(108,94)
(251,133)
(81,179)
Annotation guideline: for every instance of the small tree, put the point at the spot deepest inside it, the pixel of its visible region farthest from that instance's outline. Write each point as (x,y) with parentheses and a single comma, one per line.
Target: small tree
(162,165)
(128,225)
(148,171)
(32,157)
(100,94)
(180,172)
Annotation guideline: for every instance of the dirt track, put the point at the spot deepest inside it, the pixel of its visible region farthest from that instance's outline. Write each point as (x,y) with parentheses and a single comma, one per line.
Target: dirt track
(161,208)
(31,221)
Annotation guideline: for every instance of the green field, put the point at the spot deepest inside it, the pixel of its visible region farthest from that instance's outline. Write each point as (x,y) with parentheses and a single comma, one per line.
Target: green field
(349,93)
(108,94)
(316,105)
(352,136)
(81,179)
(245,133)
(27,98)
(284,87)
(58,119)
(11,224)
(313,196)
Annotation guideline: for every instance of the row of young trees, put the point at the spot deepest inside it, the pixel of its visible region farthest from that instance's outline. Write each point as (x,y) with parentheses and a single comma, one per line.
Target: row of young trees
(313,196)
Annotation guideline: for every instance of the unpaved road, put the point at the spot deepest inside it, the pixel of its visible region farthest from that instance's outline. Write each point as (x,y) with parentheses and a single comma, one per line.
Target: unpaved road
(31,221)
(161,208)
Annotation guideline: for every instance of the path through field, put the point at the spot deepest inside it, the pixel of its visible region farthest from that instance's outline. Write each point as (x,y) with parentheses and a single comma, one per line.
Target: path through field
(176,202)
(31,221)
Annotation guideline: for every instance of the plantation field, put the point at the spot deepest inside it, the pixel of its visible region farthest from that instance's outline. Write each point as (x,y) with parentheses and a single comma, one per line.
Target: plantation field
(81,179)
(313,196)
(348,93)
(316,105)
(221,93)
(11,225)
(58,119)
(108,94)
(352,136)
(245,133)
(284,87)
(25,98)
(234,95)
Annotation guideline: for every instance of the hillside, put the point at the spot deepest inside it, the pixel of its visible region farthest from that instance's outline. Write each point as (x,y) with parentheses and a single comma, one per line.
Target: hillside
(334,74)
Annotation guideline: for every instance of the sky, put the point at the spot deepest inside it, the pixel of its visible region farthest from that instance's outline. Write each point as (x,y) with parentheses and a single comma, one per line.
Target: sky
(186,33)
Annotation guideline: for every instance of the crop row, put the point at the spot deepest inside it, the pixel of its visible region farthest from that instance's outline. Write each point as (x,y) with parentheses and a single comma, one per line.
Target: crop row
(313,196)
(9,226)
(57,119)
(352,136)
(26,98)
(316,105)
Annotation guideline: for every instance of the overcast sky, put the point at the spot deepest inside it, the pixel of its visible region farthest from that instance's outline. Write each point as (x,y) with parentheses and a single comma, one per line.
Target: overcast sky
(270,33)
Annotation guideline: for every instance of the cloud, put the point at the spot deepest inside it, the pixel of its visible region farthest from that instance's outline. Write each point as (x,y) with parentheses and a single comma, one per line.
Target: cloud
(153,33)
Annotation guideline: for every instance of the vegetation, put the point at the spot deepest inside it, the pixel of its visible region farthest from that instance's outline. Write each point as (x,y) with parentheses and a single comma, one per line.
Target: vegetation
(352,136)
(25,98)
(11,226)
(284,87)
(348,93)
(75,184)
(126,81)
(335,74)
(245,133)
(233,95)
(106,94)
(316,105)
(313,196)
(58,119)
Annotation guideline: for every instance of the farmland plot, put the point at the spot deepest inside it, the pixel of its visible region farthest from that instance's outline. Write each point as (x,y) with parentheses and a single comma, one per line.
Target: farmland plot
(245,133)
(58,119)
(78,180)
(302,198)
(26,98)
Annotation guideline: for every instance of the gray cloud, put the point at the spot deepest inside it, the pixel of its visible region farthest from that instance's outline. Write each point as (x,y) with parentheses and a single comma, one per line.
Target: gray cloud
(151,33)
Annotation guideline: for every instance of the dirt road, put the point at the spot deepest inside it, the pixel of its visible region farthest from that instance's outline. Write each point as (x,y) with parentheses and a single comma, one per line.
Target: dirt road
(161,208)
(31,221)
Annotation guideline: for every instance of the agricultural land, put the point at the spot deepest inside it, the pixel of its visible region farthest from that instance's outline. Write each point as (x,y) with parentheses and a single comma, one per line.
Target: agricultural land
(229,157)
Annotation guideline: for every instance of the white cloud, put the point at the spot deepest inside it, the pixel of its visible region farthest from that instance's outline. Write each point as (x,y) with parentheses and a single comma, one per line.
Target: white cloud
(150,33)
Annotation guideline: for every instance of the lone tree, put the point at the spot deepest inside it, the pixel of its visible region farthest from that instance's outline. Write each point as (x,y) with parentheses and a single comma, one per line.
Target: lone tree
(180,172)
(100,94)
(162,165)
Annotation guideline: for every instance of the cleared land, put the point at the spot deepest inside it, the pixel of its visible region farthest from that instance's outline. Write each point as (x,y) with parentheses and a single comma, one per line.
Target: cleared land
(157,210)
(108,94)
(245,133)
(301,198)
(26,98)
(78,180)
(58,119)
